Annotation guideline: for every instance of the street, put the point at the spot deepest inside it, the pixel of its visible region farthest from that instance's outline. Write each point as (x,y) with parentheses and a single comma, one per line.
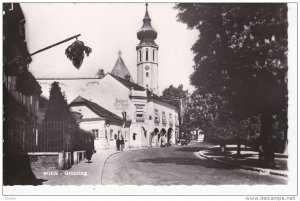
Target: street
(177,166)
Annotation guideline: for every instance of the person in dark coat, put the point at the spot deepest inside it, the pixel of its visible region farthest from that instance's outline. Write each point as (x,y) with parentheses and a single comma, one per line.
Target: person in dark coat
(118,143)
(169,137)
(89,150)
(122,143)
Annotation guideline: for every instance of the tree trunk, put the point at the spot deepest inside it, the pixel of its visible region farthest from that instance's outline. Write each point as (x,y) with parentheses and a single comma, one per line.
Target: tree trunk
(266,139)
(238,151)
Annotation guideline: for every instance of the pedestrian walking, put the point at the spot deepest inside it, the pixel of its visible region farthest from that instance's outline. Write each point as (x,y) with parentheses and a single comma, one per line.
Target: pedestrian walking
(118,142)
(122,142)
(89,150)
(169,137)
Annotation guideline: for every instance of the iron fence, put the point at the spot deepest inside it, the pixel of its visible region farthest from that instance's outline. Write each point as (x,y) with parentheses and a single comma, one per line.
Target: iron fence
(58,136)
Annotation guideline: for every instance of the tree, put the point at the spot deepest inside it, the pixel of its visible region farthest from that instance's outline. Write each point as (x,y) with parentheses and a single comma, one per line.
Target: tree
(174,94)
(241,54)
(211,113)
(57,109)
(178,97)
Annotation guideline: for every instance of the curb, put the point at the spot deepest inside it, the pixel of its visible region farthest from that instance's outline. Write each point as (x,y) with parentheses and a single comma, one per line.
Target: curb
(104,164)
(271,172)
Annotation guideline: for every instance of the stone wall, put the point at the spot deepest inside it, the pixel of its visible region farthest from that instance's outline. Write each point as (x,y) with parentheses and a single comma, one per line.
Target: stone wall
(43,161)
(55,160)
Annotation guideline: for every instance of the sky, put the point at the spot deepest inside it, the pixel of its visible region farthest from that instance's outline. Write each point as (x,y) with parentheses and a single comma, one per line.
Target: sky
(107,28)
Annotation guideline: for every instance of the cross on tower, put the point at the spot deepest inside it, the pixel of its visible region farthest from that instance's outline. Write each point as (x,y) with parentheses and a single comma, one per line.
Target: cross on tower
(120,53)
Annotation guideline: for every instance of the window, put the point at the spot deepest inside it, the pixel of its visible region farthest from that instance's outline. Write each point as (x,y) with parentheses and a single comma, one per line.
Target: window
(170,120)
(11,6)
(5,81)
(36,106)
(19,97)
(96,133)
(140,55)
(22,30)
(28,103)
(163,120)
(176,120)
(147,74)
(36,137)
(139,113)
(31,100)
(24,99)
(156,116)
(146,86)
(146,54)
(111,134)
(153,55)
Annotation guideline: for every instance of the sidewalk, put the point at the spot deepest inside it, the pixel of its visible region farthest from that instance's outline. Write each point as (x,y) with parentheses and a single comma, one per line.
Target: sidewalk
(248,159)
(83,173)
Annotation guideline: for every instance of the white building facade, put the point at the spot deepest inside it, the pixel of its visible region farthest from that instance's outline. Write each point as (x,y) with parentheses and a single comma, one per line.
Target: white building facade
(151,119)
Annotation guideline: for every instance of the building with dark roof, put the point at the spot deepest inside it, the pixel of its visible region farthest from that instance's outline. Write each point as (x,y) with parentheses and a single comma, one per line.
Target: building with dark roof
(104,124)
(121,70)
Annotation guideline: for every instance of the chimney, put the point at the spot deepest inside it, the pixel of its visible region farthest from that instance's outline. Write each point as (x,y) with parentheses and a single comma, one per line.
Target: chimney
(100,74)
(127,77)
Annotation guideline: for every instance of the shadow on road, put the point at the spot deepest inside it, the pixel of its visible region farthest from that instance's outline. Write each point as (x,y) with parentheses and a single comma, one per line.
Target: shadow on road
(194,147)
(190,149)
(187,161)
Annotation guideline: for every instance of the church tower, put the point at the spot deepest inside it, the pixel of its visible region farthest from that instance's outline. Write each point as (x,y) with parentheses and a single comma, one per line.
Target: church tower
(147,52)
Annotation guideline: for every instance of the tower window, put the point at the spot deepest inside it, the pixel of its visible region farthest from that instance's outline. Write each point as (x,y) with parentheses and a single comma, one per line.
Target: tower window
(153,54)
(146,54)
(140,55)
(147,74)
(147,86)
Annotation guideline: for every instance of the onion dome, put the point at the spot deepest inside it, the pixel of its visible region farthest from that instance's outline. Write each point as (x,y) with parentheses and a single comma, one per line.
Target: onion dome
(147,33)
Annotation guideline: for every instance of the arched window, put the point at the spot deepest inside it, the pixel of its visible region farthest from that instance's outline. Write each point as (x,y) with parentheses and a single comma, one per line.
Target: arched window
(146,54)
(153,55)
(140,55)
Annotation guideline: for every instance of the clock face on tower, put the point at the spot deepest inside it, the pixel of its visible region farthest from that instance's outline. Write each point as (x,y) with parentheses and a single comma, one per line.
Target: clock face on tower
(147,67)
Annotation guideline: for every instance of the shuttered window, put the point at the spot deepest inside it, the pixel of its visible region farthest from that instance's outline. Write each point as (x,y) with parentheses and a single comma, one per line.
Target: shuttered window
(156,117)
(163,120)
(139,113)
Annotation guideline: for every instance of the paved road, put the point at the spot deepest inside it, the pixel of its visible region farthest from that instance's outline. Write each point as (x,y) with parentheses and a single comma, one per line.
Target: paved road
(175,166)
